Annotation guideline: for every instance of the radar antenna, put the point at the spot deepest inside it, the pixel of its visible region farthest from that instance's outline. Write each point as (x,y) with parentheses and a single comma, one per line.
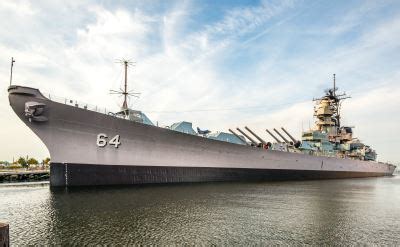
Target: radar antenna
(338,99)
(334,85)
(126,63)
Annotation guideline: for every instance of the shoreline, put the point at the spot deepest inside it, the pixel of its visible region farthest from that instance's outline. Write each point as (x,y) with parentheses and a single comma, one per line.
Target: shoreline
(9,176)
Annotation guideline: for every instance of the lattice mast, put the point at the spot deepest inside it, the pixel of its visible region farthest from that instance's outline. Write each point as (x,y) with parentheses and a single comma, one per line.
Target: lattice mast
(124,91)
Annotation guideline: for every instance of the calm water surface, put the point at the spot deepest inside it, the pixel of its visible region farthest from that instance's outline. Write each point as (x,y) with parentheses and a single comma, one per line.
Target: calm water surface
(339,212)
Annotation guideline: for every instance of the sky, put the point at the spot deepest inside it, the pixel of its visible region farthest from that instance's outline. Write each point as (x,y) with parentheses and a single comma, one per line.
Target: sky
(218,64)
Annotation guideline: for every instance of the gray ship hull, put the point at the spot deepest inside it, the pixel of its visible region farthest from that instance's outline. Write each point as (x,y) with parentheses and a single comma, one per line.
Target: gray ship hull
(90,174)
(149,154)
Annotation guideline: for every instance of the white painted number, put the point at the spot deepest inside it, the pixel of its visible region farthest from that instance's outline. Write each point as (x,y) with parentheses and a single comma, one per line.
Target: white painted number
(115,141)
(102,140)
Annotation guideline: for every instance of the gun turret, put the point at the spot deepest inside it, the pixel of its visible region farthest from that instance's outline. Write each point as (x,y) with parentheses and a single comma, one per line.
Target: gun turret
(255,135)
(295,142)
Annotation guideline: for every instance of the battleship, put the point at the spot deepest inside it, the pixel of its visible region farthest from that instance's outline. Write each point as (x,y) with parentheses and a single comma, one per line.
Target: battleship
(89,146)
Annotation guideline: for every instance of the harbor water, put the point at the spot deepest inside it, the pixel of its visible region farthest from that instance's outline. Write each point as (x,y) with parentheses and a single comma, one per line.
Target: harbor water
(328,212)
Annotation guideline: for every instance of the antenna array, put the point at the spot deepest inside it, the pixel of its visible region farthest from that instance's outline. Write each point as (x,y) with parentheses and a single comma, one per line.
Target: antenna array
(124,91)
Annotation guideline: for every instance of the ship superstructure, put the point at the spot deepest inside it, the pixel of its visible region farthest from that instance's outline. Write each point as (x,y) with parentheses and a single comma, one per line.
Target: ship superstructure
(329,137)
(92,147)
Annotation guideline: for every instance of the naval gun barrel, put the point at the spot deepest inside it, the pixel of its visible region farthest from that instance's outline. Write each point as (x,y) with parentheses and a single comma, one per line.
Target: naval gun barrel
(296,143)
(284,139)
(238,136)
(290,136)
(248,137)
(276,139)
(255,135)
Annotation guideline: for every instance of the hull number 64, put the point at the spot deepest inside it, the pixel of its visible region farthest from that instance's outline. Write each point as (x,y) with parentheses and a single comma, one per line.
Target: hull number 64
(102,140)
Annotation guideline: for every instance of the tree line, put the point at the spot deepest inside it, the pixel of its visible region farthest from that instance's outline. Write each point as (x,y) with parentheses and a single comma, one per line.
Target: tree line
(26,162)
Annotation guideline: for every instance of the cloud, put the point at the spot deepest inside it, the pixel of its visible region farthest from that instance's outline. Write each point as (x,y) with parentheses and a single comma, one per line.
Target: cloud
(250,64)
(19,8)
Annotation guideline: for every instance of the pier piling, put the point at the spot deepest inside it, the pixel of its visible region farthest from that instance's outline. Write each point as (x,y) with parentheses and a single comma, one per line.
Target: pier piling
(4,235)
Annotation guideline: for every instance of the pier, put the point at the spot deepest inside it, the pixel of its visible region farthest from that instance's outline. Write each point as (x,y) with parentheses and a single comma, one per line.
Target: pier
(4,235)
(14,176)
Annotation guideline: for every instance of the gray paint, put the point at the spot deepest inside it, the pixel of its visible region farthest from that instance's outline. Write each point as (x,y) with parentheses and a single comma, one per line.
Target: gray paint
(70,136)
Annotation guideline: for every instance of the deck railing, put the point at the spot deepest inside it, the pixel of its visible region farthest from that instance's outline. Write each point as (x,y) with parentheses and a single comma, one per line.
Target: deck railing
(82,105)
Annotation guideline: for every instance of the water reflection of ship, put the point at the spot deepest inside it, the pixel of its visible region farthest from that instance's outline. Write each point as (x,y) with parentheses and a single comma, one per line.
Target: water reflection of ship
(92,148)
